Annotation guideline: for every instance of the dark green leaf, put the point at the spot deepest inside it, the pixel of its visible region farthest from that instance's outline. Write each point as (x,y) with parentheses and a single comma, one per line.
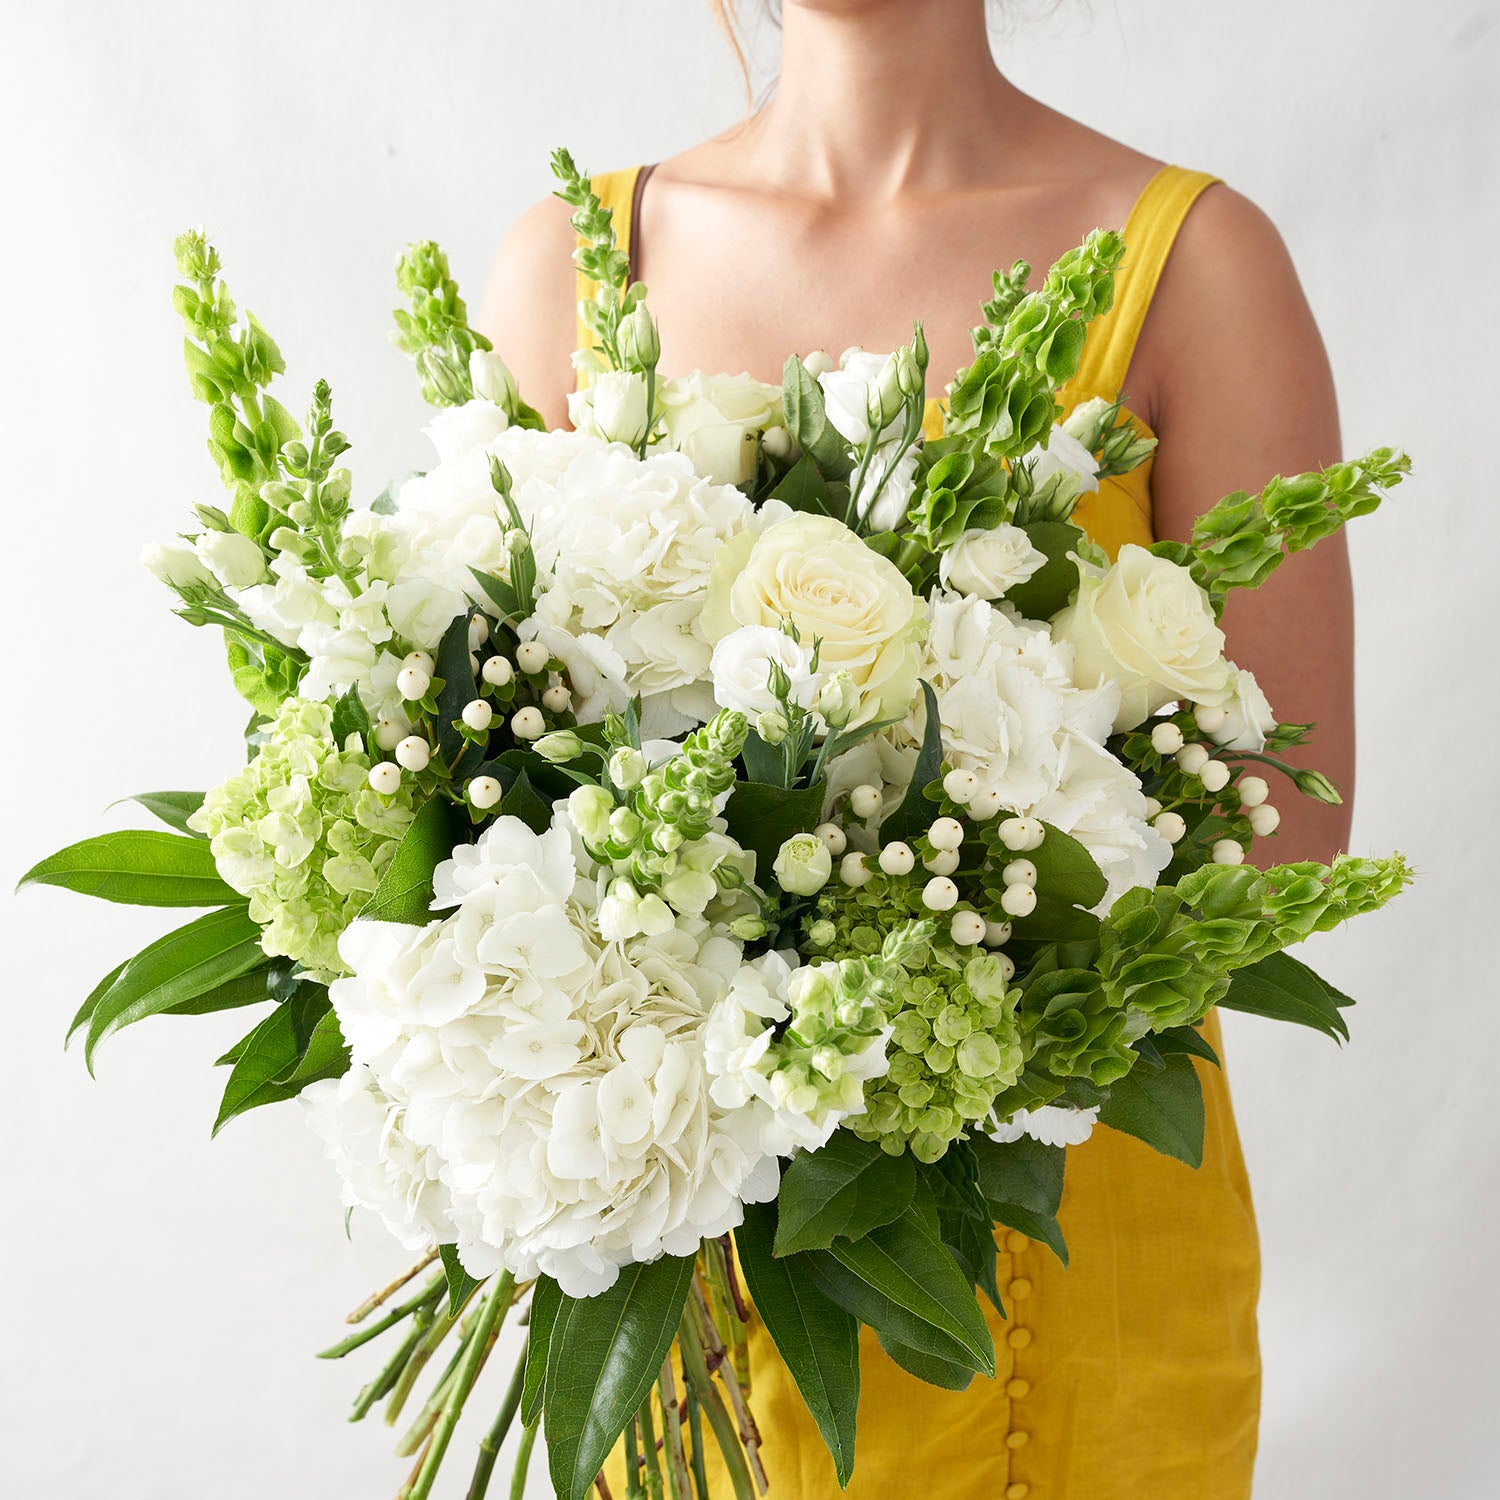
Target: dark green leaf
(1022,1182)
(1281,987)
(847,1188)
(297,1044)
(764,817)
(603,1357)
(807,420)
(458,690)
(1184,1039)
(349,717)
(250,988)
(965,1221)
(804,488)
(461,1286)
(915,812)
(816,1338)
(139,867)
(1048,589)
(546,1298)
(500,593)
(405,890)
(763,762)
(525,802)
(1164,1109)
(173,808)
(933,1368)
(1069,882)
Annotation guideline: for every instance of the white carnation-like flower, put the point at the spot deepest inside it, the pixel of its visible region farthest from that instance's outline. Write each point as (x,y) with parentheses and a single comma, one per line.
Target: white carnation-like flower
(742,666)
(1051,1124)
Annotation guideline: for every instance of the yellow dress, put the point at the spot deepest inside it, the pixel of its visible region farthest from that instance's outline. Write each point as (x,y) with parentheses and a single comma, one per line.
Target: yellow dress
(1134,1374)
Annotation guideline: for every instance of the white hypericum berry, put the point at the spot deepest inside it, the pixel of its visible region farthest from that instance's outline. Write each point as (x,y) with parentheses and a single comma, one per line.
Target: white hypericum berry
(1192,758)
(864,801)
(819,362)
(485,792)
(1007,965)
(1214,775)
(1018,901)
(959,786)
(532,657)
(418,661)
(1253,790)
(966,929)
(412,683)
(385,778)
(833,838)
(1227,852)
(414,752)
(528,724)
(897,859)
(479,632)
(996,934)
(985,803)
(478,715)
(946,833)
(557,700)
(497,671)
(473,664)
(940,894)
(1264,820)
(1021,835)
(1166,739)
(854,871)
(1170,826)
(777,442)
(944,862)
(389,733)
(1152,808)
(1019,872)
(1210,717)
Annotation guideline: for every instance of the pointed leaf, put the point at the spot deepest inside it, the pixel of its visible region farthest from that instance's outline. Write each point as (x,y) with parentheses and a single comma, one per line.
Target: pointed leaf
(405,890)
(1284,989)
(546,1298)
(1022,1182)
(764,817)
(297,1044)
(848,1187)
(915,812)
(138,867)
(173,808)
(933,1368)
(461,1286)
(1162,1108)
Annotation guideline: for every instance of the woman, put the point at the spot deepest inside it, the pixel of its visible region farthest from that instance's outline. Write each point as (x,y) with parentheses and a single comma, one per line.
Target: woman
(893,170)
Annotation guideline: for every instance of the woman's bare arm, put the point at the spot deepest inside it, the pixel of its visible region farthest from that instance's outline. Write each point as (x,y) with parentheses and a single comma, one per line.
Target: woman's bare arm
(1241,391)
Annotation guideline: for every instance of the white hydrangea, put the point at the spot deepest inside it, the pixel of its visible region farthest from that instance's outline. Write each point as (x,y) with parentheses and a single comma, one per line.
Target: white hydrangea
(570,1098)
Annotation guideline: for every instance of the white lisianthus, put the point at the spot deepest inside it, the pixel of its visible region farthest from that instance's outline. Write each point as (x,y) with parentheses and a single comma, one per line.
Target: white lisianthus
(1051,1124)
(715,420)
(1083,421)
(856,604)
(176,564)
(1146,626)
(884,497)
(422,610)
(1064,455)
(613,406)
(235,560)
(492,380)
(988,562)
(1250,716)
(742,665)
(863,386)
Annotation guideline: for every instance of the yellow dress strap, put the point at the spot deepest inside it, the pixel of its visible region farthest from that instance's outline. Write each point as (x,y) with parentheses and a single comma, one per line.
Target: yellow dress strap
(616,192)
(1149,235)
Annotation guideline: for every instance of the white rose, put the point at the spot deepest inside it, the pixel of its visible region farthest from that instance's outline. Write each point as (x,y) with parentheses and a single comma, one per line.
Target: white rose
(175,563)
(235,560)
(1084,419)
(714,420)
(1251,717)
(863,383)
(741,667)
(1065,455)
(613,407)
(456,430)
(989,563)
(855,604)
(803,864)
(1146,626)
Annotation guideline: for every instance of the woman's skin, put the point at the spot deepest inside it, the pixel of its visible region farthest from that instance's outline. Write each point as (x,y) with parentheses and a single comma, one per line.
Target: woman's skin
(893,170)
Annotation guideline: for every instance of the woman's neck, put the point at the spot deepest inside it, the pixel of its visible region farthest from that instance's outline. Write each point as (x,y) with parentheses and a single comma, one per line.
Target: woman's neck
(882,96)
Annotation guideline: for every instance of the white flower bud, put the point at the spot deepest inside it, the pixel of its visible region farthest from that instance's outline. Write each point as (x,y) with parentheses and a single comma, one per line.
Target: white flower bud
(838,699)
(897,859)
(864,801)
(940,894)
(853,870)
(1166,739)
(944,862)
(557,700)
(478,715)
(1264,820)
(516,541)
(1253,790)
(590,808)
(772,726)
(627,768)
(833,836)
(479,632)
(1214,775)
(946,834)
(1228,852)
(497,671)
(1007,963)
(559,747)
(413,753)
(966,929)
(390,732)
(1210,717)
(527,723)
(985,803)
(803,864)
(418,661)
(1018,900)
(485,792)
(1019,872)
(532,657)
(819,362)
(1170,826)
(1191,759)
(959,786)
(386,778)
(1021,835)
(412,683)
(996,934)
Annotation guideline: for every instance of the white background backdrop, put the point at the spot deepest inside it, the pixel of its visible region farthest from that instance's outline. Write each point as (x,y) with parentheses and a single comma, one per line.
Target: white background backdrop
(164,1294)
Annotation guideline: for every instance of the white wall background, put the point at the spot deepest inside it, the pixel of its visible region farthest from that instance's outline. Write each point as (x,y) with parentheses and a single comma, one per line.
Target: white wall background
(165,1294)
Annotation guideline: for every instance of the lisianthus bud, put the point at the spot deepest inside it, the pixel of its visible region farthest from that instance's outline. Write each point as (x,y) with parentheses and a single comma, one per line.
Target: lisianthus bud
(176,564)
(561,746)
(627,768)
(838,699)
(803,864)
(772,726)
(1316,785)
(492,379)
(640,344)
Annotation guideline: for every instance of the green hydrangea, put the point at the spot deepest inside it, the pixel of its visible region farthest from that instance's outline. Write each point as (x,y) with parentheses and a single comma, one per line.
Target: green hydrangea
(302,834)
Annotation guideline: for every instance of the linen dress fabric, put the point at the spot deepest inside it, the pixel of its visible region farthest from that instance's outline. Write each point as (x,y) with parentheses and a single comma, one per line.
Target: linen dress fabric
(1134,1372)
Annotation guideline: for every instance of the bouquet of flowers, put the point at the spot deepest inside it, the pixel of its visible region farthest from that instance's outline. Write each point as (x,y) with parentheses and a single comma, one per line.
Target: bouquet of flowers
(721,855)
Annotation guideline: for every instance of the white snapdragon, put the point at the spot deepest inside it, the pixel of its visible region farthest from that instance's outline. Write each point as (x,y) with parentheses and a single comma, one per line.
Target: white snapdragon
(236,561)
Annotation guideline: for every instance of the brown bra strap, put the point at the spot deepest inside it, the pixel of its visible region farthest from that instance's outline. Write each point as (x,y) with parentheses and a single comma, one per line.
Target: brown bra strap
(633,249)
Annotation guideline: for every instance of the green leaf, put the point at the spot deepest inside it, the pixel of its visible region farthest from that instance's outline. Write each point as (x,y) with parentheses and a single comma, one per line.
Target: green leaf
(525,802)
(804,488)
(297,1044)
(1049,588)
(139,867)
(501,594)
(1284,989)
(965,1220)
(603,1357)
(216,947)
(764,817)
(847,1188)
(763,762)
(173,808)
(85,1011)
(458,689)
(915,811)
(1185,1039)
(1163,1108)
(1022,1182)
(901,1277)
(461,1286)
(807,420)
(405,890)
(350,717)
(816,1338)
(546,1298)
(249,988)
(933,1368)
(1069,882)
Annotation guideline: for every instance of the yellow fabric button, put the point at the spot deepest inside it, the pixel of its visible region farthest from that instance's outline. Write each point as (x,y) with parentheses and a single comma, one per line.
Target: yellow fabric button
(1018,1338)
(1017,1439)
(1019,1289)
(1016,1243)
(1017,1491)
(1016,1389)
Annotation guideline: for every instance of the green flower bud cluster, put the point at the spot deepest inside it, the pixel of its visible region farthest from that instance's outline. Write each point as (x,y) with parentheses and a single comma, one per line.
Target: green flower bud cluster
(300,832)
(435,332)
(682,794)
